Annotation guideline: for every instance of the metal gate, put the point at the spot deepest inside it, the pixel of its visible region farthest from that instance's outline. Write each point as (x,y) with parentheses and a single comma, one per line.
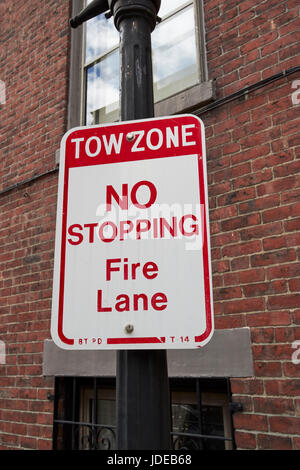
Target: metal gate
(201,413)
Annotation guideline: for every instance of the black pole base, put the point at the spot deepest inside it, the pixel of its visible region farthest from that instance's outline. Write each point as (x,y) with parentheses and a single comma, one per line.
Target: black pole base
(143,401)
(143,413)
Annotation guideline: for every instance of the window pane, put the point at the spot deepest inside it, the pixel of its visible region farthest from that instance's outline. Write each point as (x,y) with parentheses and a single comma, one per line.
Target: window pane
(102,103)
(106,434)
(174,55)
(169,5)
(187,427)
(101,36)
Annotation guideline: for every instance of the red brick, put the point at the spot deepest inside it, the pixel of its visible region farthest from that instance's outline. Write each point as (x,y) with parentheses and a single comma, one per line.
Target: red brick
(220,266)
(239,263)
(230,321)
(9,440)
(245,305)
(259,289)
(250,422)
(225,239)
(284,301)
(251,386)
(290,369)
(244,277)
(232,172)
(296,443)
(227,293)
(223,213)
(261,231)
(28,443)
(252,153)
(274,257)
(240,222)
(291,225)
(247,4)
(261,203)
(245,401)
(284,271)
(296,317)
(281,213)
(242,249)
(290,387)
(282,184)
(45,418)
(272,160)
(44,444)
(286,335)
(274,243)
(294,285)
(219,188)
(283,424)
(262,335)
(274,406)
(236,196)
(268,369)
(272,351)
(274,442)
(245,440)
(288,169)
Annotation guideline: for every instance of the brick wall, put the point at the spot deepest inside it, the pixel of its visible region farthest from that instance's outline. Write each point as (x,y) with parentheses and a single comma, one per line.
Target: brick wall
(254,188)
(34,68)
(27,241)
(34,57)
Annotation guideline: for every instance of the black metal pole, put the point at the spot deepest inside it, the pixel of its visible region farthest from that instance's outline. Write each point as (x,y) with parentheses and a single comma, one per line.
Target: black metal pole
(143,402)
(143,413)
(136,69)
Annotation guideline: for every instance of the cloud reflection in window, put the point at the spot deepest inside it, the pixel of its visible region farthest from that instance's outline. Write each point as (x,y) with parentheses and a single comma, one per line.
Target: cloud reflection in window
(101,36)
(103,90)
(174,55)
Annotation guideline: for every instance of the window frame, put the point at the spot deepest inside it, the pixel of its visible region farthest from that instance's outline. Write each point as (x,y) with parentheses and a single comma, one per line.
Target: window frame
(186,100)
(199,42)
(207,398)
(86,394)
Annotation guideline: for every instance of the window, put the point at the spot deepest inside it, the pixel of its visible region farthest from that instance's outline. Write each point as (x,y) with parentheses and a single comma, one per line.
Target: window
(175,64)
(178,59)
(98,406)
(85,414)
(101,71)
(201,417)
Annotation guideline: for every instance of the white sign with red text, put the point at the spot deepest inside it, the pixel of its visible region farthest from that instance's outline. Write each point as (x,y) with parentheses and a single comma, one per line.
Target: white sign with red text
(132,255)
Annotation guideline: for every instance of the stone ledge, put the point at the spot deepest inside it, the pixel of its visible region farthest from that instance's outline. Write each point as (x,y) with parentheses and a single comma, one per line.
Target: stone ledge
(187,100)
(228,354)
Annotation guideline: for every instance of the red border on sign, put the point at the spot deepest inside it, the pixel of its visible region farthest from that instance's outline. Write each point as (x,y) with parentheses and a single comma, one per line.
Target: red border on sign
(149,340)
(126,156)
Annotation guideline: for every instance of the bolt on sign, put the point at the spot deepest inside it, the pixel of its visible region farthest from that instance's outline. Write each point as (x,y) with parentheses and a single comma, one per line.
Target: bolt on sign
(132,254)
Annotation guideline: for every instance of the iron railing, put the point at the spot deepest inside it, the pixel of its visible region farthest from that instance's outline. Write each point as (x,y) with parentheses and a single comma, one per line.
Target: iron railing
(72,434)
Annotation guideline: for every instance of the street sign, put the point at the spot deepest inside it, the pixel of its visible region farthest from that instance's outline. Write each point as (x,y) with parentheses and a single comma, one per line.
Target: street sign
(132,254)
